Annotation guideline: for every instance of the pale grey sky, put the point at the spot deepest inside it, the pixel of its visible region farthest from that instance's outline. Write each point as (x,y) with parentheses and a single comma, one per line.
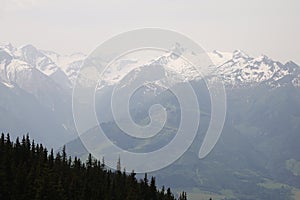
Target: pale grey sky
(270,27)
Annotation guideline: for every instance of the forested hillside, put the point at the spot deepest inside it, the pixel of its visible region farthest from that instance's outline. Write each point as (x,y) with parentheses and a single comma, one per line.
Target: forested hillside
(28,171)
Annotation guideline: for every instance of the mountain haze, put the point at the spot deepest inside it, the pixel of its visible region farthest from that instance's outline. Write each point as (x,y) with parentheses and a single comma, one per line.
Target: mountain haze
(257,156)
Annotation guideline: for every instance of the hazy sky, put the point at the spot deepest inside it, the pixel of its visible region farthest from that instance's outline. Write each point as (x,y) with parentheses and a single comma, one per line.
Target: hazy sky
(270,27)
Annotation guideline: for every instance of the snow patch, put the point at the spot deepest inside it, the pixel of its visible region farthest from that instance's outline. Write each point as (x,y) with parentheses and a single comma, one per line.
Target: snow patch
(8,85)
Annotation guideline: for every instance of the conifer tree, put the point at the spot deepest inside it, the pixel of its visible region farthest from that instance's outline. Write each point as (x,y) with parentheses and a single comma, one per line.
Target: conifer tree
(28,171)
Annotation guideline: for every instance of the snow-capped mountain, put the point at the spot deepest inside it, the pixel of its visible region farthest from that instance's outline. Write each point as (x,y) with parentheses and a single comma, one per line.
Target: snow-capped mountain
(42,91)
(236,69)
(50,77)
(61,69)
(34,72)
(169,68)
(69,64)
(243,70)
(35,97)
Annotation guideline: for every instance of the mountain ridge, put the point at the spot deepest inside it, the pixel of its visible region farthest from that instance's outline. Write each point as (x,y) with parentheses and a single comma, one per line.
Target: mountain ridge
(235,69)
(259,143)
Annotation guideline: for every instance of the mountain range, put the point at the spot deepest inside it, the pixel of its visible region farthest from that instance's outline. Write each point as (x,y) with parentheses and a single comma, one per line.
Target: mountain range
(257,156)
(36,89)
(236,69)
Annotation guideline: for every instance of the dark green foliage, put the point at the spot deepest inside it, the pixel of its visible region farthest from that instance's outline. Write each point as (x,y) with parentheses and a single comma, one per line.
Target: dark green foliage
(27,171)
(183,196)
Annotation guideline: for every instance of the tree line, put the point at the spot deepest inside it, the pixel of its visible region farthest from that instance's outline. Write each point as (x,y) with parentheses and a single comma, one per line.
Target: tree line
(29,171)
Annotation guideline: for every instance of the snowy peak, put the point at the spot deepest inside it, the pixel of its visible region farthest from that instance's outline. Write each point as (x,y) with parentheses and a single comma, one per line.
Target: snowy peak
(69,64)
(28,50)
(37,59)
(235,68)
(8,47)
(218,57)
(62,69)
(243,70)
(238,54)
